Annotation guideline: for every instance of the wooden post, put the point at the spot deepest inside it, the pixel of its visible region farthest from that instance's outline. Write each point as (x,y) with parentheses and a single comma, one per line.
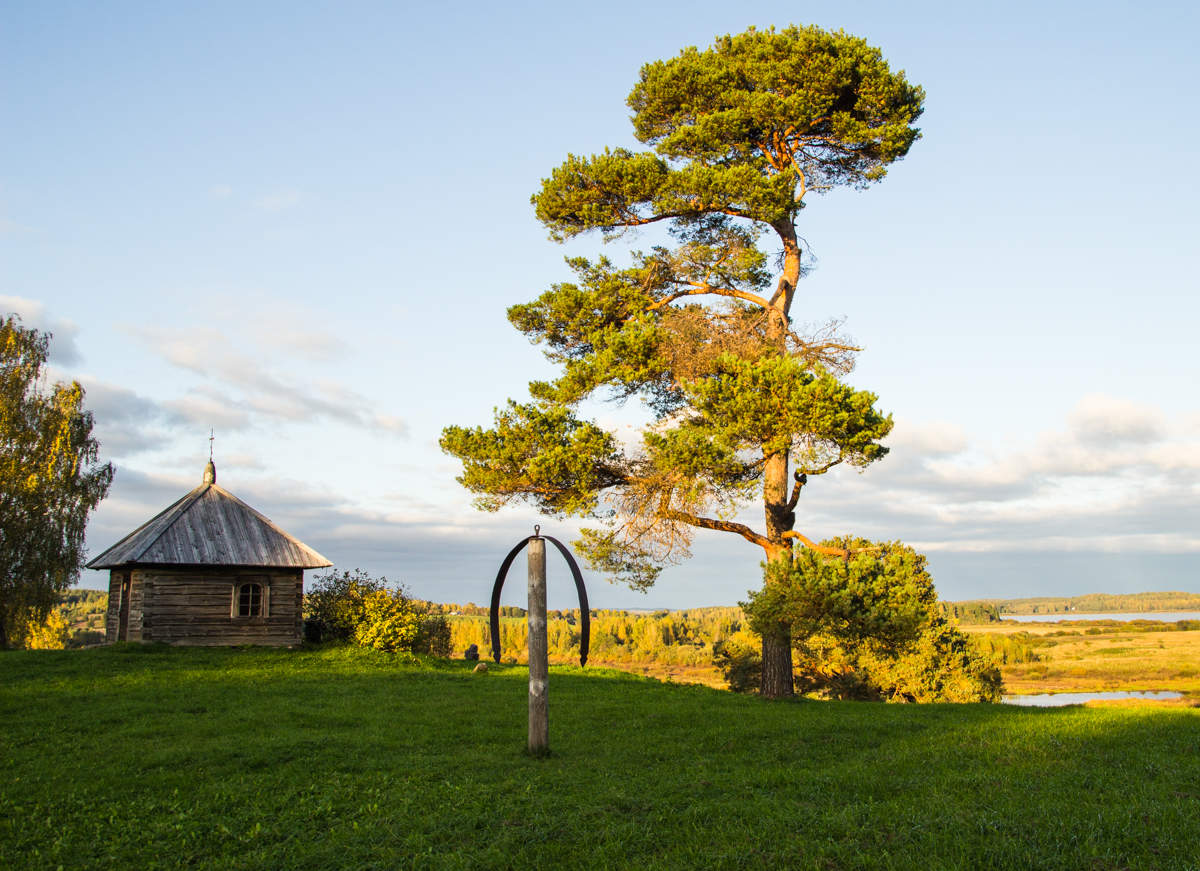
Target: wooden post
(539,655)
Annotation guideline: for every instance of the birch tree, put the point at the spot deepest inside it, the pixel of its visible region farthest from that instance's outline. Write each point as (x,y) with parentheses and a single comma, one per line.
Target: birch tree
(50,480)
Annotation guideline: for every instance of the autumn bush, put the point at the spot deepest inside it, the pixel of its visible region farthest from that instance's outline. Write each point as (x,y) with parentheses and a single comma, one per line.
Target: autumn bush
(50,633)
(353,606)
(388,621)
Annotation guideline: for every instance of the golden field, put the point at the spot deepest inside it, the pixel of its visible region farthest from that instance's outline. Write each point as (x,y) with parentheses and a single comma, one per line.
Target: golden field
(1101,656)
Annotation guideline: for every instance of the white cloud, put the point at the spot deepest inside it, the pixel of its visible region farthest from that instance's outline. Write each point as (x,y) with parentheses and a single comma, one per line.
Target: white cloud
(1119,477)
(927,439)
(208,408)
(1106,420)
(1145,544)
(63,349)
(246,387)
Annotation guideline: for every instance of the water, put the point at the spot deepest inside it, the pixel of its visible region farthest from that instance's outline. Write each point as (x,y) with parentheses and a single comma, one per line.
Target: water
(1055,700)
(1163,616)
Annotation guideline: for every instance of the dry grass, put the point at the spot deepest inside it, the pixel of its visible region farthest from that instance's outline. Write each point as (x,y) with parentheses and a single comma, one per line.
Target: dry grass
(1098,657)
(1075,657)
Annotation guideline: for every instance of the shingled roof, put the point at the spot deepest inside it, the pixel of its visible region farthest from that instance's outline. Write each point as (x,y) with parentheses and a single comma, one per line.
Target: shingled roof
(210,527)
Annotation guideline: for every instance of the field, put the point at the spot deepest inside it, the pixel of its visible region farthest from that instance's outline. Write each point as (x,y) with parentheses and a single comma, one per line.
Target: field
(1072,656)
(1097,656)
(144,757)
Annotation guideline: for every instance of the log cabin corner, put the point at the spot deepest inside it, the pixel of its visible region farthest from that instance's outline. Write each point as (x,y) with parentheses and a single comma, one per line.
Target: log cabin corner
(207,571)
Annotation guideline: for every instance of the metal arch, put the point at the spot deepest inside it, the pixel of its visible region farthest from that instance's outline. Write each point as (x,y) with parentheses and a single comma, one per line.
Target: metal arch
(585,616)
(495,609)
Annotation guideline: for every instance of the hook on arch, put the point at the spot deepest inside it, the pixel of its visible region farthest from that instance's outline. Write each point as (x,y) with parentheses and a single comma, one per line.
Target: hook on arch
(585,617)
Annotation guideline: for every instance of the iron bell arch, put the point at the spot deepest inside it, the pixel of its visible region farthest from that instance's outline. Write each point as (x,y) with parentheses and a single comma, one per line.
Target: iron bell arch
(585,617)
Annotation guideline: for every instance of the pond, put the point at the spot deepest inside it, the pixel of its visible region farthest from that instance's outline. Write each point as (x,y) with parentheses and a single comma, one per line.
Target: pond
(1164,616)
(1054,700)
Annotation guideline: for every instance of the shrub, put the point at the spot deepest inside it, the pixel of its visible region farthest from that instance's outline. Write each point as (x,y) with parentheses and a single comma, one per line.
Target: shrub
(945,665)
(334,604)
(868,626)
(388,621)
(353,606)
(50,634)
(433,636)
(740,661)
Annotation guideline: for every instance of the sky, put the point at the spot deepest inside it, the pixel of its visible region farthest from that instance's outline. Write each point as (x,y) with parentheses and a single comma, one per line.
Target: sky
(299,225)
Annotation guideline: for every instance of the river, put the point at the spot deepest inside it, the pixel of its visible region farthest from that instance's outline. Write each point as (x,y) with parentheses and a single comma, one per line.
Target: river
(1054,700)
(1163,616)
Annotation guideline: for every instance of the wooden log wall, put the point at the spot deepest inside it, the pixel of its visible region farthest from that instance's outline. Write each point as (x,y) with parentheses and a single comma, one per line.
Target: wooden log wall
(112,617)
(198,607)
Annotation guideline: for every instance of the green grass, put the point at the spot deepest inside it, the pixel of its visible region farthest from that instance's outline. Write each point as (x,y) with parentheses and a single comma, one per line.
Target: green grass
(145,758)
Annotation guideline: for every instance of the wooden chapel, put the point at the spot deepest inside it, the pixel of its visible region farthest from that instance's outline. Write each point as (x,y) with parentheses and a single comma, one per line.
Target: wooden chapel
(209,570)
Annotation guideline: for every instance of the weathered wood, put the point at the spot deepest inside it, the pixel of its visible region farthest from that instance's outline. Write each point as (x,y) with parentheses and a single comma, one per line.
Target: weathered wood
(196,607)
(212,527)
(185,567)
(539,658)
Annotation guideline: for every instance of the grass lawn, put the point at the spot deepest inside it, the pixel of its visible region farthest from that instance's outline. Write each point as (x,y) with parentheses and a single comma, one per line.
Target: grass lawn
(145,758)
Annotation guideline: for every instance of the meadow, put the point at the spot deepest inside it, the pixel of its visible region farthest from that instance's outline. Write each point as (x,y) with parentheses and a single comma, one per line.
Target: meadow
(327,758)
(1099,656)
(1076,656)
(1033,657)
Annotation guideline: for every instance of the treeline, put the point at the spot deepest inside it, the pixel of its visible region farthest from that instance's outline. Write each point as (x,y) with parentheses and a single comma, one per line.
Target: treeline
(667,638)
(453,609)
(972,613)
(617,637)
(990,610)
(1008,649)
(81,616)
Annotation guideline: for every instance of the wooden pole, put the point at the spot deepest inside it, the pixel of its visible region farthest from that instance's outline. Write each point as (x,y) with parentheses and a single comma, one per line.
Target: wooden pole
(539,655)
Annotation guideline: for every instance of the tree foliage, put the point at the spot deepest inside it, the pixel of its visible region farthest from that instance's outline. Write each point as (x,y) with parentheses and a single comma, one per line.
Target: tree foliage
(388,622)
(51,633)
(868,626)
(743,129)
(356,607)
(878,594)
(743,403)
(50,480)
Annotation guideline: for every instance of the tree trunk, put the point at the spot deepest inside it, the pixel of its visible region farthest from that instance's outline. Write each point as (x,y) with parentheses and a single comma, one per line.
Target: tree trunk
(780,518)
(777,665)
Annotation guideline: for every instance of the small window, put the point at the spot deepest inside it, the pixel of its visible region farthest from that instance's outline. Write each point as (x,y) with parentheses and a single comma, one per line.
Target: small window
(250,600)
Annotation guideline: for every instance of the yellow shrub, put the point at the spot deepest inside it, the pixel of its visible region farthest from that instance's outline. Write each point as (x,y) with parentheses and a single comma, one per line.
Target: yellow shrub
(50,634)
(389,622)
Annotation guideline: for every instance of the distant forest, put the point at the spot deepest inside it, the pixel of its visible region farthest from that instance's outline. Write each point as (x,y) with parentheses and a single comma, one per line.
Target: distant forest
(668,638)
(991,610)
(84,613)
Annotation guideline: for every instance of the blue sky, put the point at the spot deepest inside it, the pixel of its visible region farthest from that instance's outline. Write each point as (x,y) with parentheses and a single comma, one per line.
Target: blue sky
(301,224)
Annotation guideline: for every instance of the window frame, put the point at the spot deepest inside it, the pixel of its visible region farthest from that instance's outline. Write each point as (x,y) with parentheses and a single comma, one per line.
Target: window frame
(264,597)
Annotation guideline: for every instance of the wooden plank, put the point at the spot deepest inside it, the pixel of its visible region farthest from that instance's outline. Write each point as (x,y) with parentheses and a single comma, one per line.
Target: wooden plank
(193,607)
(210,526)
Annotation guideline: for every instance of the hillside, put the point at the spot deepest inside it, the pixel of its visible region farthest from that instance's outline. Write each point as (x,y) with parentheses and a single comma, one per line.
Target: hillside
(154,758)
